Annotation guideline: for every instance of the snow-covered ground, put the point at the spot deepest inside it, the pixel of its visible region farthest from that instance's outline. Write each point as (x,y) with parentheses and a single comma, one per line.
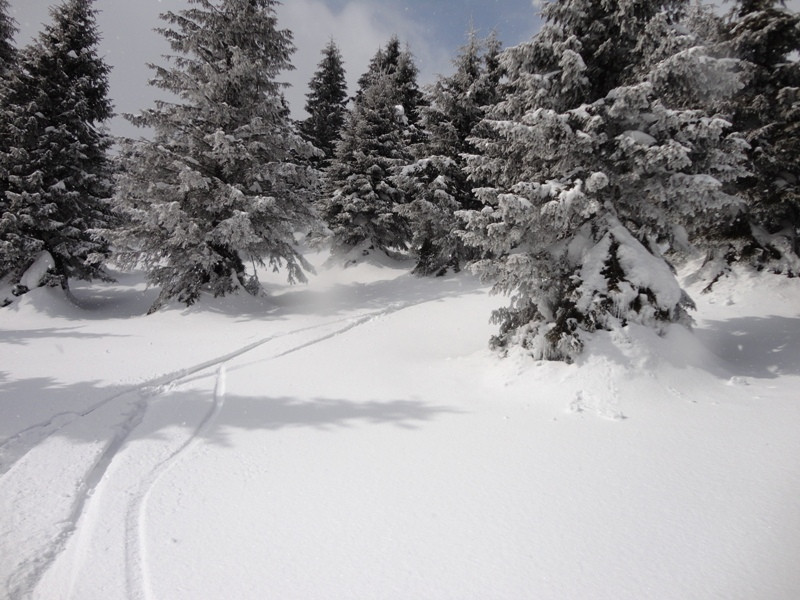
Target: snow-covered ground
(355,438)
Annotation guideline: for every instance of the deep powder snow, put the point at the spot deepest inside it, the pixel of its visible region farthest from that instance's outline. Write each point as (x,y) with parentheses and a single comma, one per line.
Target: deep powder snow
(355,438)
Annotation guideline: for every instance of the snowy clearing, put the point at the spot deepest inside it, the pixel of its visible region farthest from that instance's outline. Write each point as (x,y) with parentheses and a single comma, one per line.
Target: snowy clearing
(355,438)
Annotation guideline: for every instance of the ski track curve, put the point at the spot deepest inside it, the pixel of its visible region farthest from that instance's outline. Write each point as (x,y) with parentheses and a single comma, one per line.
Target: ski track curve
(137,573)
(28,573)
(16,446)
(136,567)
(26,579)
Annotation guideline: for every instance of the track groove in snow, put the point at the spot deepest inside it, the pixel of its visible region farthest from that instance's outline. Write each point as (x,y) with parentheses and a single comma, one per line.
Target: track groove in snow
(28,577)
(26,572)
(31,571)
(258,492)
(16,446)
(139,585)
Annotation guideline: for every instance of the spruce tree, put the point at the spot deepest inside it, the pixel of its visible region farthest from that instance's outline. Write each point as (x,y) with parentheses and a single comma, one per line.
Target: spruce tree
(326,102)
(436,185)
(399,64)
(765,35)
(591,174)
(361,196)
(225,181)
(55,151)
(8,29)
(8,62)
(361,199)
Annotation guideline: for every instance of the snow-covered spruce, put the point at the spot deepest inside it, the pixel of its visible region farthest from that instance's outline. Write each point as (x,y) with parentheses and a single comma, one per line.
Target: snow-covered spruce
(8,62)
(224,182)
(591,175)
(398,62)
(766,36)
(56,177)
(436,185)
(8,28)
(326,102)
(361,196)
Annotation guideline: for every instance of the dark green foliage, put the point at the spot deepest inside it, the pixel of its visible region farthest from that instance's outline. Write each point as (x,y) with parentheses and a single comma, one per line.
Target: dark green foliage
(436,185)
(764,34)
(54,150)
(326,102)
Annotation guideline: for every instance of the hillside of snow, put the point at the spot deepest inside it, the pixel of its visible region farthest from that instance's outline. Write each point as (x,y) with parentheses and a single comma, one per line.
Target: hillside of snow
(355,438)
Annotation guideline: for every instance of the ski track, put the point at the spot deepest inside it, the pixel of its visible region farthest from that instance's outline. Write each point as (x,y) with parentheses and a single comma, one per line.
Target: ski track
(26,579)
(136,572)
(16,446)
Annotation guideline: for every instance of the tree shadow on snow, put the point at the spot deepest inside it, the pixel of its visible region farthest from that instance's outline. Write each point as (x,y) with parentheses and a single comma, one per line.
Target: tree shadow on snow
(755,347)
(31,410)
(23,336)
(760,347)
(87,301)
(249,413)
(38,405)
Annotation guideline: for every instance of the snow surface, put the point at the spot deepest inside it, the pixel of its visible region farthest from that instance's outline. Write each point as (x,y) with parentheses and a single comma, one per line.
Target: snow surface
(354,438)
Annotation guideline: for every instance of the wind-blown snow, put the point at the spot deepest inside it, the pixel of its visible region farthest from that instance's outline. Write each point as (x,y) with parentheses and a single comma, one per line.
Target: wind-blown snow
(354,438)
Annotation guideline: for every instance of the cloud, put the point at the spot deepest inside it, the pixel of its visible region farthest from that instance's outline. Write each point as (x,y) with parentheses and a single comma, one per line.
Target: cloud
(359,29)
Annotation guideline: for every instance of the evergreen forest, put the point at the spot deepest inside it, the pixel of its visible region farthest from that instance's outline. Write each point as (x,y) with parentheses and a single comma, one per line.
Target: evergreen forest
(572,172)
